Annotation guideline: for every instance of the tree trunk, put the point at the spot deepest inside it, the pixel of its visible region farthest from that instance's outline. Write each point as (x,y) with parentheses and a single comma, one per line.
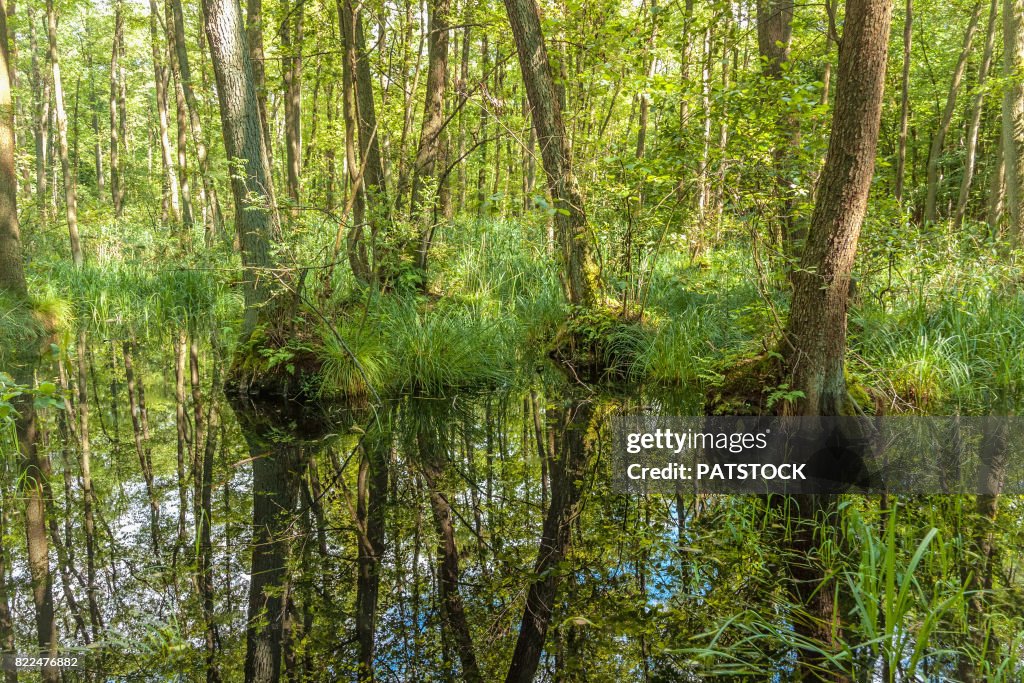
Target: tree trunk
(170,206)
(116,126)
(214,219)
(372,487)
(817,322)
(203,493)
(816,330)
(275,479)
(140,432)
(1013,114)
(577,249)
(974,126)
(432,457)
(290,34)
(254,36)
(181,124)
(568,466)
(70,196)
(939,139)
(12,272)
(901,155)
(85,465)
(774,35)
(40,129)
(432,131)
(256,218)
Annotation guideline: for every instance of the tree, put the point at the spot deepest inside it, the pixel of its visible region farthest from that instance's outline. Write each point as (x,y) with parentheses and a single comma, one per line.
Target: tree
(433,139)
(816,330)
(576,247)
(256,218)
(1013,114)
(70,194)
(939,139)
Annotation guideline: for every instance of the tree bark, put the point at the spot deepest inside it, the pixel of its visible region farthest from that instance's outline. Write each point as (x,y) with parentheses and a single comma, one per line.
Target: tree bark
(816,330)
(70,195)
(1013,114)
(432,130)
(256,219)
(939,139)
(12,272)
(40,129)
(577,248)
(254,36)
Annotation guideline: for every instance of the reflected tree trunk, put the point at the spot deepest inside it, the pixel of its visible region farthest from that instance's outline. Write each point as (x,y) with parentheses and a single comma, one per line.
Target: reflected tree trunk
(567,468)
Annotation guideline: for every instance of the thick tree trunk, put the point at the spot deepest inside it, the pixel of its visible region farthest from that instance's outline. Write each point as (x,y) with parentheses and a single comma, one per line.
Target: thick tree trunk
(432,131)
(971,145)
(256,219)
(577,249)
(372,202)
(70,195)
(275,480)
(568,465)
(816,330)
(12,272)
(939,139)
(817,323)
(1013,115)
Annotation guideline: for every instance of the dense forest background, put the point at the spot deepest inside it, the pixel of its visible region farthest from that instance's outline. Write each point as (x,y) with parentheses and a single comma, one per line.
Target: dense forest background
(313,316)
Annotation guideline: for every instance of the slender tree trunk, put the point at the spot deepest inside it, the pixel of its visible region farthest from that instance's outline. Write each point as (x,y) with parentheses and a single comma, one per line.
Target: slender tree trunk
(116,74)
(171,203)
(971,144)
(432,132)
(214,219)
(290,34)
(181,125)
(256,219)
(1013,114)
(901,155)
(88,500)
(95,122)
(372,487)
(203,493)
(6,622)
(577,249)
(70,196)
(463,89)
(181,422)
(939,139)
(41,123)
(139,430)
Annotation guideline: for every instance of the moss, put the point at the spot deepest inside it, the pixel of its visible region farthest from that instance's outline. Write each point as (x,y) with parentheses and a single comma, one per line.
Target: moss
(745,384)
